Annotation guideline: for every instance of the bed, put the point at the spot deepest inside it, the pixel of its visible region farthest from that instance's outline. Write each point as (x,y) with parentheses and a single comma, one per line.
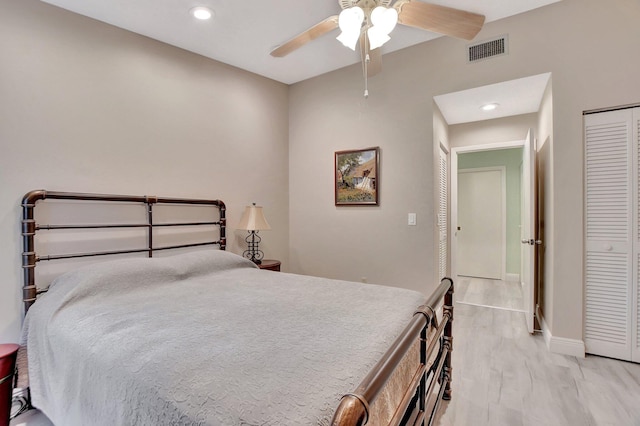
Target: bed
(205,337)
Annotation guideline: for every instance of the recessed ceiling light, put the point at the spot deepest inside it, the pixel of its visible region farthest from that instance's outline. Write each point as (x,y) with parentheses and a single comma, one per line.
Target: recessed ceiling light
(202,13)
(489,107)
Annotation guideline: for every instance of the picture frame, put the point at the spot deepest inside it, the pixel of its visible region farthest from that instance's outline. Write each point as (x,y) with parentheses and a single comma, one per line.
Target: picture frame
(357,177)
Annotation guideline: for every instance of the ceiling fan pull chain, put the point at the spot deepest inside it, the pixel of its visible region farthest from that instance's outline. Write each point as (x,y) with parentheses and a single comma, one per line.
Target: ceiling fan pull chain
(365,65)
(366,77)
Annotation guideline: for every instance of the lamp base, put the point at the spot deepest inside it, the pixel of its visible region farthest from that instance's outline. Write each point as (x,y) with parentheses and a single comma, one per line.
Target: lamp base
(253,253)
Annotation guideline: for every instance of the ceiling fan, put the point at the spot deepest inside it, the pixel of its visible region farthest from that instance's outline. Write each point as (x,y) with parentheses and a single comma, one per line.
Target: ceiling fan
(371,21)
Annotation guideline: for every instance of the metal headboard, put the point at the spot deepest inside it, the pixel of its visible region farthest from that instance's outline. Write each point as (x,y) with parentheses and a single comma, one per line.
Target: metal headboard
(30,227)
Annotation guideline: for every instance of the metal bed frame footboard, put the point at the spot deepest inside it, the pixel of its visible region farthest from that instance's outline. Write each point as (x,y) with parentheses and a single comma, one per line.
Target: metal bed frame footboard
(354,407)
(30,227)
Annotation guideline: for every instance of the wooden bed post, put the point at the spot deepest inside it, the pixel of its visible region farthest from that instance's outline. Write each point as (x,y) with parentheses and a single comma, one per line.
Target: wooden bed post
(448,340)
(149,201)
(29,290)
(223,225)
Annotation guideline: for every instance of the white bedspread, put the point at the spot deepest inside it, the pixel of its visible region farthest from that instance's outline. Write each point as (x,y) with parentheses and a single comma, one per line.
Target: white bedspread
(204,338)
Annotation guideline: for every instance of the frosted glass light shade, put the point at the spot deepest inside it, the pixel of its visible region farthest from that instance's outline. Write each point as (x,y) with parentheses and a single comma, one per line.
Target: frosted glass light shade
(376,38)
(350,23)
(253,219)
(384,21)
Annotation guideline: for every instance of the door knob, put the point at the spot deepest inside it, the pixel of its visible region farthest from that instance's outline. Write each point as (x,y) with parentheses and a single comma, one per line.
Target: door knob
(531,242)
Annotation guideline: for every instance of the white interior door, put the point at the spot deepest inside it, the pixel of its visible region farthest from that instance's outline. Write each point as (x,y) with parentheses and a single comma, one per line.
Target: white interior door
(529,228)
(481,219)
(609,259)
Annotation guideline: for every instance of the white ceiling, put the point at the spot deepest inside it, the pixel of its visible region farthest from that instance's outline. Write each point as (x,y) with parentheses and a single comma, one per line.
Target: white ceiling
(242,33)
(514,97)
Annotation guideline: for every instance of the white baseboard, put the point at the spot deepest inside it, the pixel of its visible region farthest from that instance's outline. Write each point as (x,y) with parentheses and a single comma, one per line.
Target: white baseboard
(561,345)
(572,347)
(545,330)
(512,278)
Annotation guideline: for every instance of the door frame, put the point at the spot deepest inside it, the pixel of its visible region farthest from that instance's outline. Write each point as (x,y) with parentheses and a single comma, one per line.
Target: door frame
(453,243)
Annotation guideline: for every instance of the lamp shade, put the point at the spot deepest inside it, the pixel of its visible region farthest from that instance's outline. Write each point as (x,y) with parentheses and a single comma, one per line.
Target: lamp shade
(253,219)
(384,21)
(350,23)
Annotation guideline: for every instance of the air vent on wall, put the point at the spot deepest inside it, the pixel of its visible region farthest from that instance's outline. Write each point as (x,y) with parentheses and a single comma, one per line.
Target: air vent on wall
(488,49)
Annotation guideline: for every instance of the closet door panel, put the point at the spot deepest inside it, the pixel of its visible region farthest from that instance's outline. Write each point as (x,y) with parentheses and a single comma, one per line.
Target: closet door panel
(443,214)
(608,202)
(635,299)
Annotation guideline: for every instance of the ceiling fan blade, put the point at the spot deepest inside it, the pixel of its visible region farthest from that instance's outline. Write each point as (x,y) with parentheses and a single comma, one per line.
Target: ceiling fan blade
(440,19)
(312,33)
(374,64)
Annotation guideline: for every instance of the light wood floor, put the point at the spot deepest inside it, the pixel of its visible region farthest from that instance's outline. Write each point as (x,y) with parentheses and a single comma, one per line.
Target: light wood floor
(493,293)
(502,375)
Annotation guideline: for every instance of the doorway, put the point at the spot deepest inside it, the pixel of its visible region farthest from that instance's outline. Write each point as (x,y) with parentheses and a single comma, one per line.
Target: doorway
(498,214)
(476,126)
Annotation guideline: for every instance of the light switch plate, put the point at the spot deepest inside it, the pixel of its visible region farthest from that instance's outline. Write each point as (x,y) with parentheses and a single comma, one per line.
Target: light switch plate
(412,219)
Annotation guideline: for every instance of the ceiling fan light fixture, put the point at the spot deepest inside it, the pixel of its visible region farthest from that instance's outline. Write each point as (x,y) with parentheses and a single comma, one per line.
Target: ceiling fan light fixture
(350,23)
(376,38)
(202,13)
(384,20)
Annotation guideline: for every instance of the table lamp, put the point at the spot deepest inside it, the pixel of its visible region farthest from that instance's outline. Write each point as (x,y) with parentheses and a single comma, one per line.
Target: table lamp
(253,221)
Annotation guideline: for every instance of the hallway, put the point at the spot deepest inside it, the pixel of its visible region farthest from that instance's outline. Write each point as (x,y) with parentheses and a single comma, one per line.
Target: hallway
(502,375)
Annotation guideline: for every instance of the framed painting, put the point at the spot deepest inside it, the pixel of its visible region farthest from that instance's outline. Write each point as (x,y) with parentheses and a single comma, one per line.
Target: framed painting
(357,177)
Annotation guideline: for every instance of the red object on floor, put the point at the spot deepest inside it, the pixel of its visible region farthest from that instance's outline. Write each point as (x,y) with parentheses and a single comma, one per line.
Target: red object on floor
(7,369)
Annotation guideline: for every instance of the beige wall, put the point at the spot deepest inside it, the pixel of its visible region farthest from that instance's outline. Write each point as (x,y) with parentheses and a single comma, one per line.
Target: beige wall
(440,130)
(88,107)
(590,69)
(506,129)
(329,114)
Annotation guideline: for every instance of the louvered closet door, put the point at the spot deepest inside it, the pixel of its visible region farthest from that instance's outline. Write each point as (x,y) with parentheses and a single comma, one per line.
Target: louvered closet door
(443,222)
(609,243)
(635,305)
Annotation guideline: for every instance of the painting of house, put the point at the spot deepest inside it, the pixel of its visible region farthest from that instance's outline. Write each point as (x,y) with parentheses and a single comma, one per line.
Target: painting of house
(357,178)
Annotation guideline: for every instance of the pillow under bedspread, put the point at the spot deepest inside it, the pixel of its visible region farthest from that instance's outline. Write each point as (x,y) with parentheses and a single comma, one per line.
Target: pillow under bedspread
(204,338)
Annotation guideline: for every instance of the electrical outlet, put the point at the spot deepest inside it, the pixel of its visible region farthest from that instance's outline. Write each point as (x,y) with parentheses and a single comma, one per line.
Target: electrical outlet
(412,219)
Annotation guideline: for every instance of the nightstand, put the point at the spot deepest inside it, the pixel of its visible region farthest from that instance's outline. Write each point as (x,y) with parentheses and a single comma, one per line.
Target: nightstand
(7,369)
(270,265)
